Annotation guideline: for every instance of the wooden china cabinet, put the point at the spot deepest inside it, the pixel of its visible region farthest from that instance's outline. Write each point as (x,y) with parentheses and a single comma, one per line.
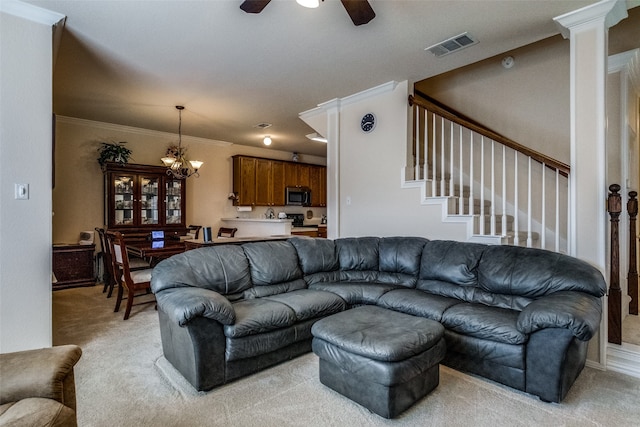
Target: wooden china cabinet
(142,198)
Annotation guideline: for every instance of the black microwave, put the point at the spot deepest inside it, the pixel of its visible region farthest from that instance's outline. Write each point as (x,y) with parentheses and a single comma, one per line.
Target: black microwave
(298,196)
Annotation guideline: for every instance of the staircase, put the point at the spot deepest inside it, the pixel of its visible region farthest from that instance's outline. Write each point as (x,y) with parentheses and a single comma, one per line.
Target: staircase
(504,192)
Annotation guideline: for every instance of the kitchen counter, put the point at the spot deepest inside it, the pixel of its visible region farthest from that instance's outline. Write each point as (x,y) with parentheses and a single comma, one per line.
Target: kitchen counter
(199,243)
(252,227)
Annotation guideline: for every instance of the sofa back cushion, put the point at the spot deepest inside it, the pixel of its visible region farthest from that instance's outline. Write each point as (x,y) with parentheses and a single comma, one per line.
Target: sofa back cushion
(399,260)
(274,268)
(315,255)
(449,261)
(536,272)
(358,253)
(223,269)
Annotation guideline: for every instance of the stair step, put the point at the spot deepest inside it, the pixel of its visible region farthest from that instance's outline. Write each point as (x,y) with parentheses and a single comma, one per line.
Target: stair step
(454,205)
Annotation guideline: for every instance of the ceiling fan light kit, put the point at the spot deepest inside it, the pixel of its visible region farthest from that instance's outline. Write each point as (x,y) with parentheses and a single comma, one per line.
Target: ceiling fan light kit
(311,4)
(360,11)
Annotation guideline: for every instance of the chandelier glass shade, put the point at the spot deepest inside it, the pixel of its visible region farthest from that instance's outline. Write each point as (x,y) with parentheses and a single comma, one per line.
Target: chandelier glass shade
(177,164)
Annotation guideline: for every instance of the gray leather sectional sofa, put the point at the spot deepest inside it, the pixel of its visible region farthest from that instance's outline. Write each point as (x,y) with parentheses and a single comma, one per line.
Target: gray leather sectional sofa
(518,316)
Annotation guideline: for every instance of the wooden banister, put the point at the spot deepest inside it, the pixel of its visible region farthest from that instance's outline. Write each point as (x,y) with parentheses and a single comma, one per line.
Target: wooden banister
(460,119)
(632,276)
(614,207)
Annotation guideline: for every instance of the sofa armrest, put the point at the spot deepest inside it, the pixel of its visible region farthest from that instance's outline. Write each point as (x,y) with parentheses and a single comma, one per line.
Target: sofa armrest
(576,311)
(184,304)
(46,373)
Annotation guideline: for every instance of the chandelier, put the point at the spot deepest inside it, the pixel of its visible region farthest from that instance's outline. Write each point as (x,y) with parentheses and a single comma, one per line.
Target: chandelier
(177,164)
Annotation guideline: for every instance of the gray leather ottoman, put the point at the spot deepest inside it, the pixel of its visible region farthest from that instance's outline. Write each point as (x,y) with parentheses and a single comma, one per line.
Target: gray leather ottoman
(384,360)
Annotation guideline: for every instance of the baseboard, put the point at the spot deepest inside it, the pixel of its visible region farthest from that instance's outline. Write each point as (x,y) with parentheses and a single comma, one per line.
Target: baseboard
(624,358)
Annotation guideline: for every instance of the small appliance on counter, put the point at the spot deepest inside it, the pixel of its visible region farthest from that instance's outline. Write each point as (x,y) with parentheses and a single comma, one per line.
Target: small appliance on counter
(298,219)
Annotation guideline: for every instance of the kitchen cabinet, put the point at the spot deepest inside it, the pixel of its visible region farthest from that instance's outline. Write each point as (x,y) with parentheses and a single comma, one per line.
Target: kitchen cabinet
(141,198)
(318,185)
(244,180)
(262,182)
(73,266)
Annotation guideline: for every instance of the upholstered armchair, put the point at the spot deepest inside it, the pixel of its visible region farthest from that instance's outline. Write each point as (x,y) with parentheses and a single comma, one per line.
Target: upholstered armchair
(37,387)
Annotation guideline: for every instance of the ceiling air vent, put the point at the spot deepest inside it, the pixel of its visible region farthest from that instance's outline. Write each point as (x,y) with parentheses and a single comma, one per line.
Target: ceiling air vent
(452,44)
(263,125)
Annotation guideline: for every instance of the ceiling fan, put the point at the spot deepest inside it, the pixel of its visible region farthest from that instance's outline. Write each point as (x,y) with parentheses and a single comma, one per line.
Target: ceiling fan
(359,11)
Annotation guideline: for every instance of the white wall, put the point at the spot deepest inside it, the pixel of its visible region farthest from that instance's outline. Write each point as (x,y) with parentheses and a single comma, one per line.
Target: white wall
(369,169)
(25,157)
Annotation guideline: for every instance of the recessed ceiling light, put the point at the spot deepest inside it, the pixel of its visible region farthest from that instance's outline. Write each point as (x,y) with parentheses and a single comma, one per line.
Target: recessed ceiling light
(452,44)
(267,140)
(316,137)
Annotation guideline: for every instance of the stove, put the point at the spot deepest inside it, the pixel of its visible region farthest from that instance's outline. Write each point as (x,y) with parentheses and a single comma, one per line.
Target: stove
(298,219)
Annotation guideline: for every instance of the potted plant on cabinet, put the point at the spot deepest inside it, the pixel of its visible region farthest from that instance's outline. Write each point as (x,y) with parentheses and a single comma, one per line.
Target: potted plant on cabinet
(113,152)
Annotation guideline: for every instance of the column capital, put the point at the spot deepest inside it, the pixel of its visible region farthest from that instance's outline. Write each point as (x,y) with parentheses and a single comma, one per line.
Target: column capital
(609,12)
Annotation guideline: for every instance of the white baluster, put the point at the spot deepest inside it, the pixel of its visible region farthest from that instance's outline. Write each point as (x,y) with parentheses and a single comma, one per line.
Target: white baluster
(557,236)
(434,157)
(442,155)
(529,239)
(425,150)
(451,162)
(416,174)
(504,191)
(543,237)
(482,218)
(461,196)
(471,203)
(493,189)
(516,238)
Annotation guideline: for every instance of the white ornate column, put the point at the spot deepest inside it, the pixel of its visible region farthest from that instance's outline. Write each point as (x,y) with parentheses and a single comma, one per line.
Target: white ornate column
(587,29)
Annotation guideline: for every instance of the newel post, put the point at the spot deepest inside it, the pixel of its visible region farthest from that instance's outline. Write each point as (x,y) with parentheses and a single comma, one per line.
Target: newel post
(614,207)
(632,276)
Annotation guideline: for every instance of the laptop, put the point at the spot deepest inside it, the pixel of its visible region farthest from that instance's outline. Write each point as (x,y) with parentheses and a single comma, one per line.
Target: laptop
(157,239)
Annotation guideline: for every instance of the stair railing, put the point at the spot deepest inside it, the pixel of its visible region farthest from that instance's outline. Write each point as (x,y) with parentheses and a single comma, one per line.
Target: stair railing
(450,149)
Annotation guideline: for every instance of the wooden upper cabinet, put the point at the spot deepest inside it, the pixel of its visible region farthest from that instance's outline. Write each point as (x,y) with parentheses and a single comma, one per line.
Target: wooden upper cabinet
(318,185)
(244,180)
(278,178)
(262,182)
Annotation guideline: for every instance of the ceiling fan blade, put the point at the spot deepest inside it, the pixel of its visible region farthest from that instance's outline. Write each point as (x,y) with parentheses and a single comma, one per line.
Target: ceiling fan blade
(254,6)
(360,11)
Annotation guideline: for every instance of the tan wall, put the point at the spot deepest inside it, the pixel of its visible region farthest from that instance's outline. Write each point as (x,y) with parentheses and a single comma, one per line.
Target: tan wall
(528,103)
(78,197)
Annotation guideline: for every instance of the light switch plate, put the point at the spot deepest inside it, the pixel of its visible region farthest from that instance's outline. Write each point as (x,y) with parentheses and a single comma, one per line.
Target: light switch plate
(21,191)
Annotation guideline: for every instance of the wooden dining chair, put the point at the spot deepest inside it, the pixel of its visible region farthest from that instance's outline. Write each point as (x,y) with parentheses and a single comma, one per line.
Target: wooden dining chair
(194,230)
(135,281)
(135,263)
(227,232)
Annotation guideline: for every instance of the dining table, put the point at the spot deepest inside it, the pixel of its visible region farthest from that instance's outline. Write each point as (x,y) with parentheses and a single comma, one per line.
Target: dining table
(156,250)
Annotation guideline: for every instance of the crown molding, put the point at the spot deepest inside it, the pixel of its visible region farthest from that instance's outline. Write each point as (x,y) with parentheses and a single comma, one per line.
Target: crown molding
(609,12)
(32,13)
(137,131)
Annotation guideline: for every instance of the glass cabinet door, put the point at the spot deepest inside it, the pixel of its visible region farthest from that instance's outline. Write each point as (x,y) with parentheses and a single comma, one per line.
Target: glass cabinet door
(173,201)
(149,200)
(123,199)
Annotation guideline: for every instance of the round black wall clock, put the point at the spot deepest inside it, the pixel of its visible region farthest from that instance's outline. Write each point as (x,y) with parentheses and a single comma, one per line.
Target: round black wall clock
(368,122)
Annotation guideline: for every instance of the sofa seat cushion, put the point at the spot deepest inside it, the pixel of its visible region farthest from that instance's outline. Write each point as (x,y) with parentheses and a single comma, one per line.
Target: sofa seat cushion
(256,316)
(257,344)
(355,293)
(481,321)
(478,351)
(417,303)
(310,303)
(379,334)
(37,411)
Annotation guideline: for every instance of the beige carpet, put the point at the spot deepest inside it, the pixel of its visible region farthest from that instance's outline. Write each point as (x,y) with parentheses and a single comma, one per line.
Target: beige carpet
(631,329)
(123,380)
